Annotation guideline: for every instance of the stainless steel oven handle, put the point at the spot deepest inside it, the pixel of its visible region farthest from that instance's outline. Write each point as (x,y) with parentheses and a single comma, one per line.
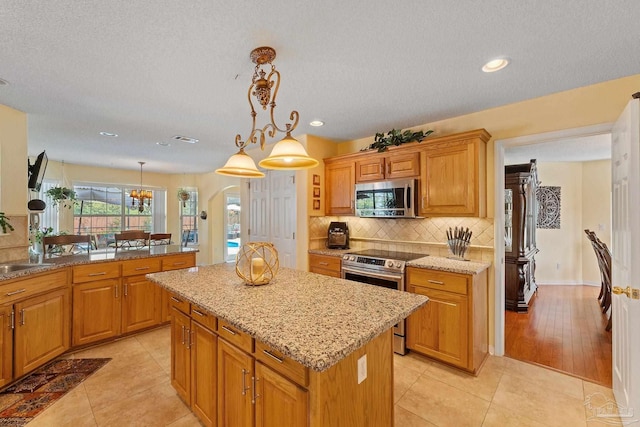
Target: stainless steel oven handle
(368,273)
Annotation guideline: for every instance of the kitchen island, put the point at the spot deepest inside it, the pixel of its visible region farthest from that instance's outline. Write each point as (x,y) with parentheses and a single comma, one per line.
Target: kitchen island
(304,350)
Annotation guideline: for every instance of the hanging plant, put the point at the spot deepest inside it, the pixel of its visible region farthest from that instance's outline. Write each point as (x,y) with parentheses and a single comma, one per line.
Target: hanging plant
(62,195)
(183,196)
(4,223)
(396,137)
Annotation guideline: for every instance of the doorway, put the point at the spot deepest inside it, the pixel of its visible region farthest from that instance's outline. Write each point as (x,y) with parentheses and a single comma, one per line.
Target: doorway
(554,140)
(232,225)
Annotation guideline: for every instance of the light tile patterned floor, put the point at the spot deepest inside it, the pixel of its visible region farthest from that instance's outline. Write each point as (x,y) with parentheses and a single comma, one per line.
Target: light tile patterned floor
(134,390)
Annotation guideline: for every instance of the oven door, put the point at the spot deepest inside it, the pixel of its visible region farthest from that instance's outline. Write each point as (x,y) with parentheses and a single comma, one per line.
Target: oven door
(386,280)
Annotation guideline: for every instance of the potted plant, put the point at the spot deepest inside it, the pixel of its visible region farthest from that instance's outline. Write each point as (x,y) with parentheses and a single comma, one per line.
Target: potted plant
(4,223)
(63,196)
(183,196)
(396,137)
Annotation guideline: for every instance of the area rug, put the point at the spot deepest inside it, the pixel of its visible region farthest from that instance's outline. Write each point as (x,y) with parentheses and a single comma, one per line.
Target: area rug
(21,402)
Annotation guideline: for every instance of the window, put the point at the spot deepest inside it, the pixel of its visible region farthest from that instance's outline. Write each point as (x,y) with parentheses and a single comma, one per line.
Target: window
(103,210)
(48,218)
(189,219)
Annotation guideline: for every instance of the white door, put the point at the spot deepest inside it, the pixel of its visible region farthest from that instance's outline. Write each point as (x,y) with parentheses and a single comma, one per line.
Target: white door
(625,251)
(259,210)
(282,190)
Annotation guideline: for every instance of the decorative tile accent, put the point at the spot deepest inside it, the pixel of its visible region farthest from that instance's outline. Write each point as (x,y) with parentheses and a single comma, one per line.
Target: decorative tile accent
(548,199)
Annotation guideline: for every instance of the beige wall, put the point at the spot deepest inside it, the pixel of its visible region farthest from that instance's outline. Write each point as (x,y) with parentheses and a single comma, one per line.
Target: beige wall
(596,213)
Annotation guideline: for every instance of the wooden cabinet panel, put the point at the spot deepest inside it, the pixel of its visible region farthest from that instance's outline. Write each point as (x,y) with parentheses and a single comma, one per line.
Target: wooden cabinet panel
(280,403)
(140,266)
(203,317)
(402,165)
(91,272)
(339,187)
(370,169)
(235,336)
(176,262)
(204,353)
(165,308)
(440,328)
(96,311)
(282,364)
(140,304)
(235,369)
(42,330)
(179,303)
(180,355)
(440,280)
(6,345)
(15,290)
(324,264)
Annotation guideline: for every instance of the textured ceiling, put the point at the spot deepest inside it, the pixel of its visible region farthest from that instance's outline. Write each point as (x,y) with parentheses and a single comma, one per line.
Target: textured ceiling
(151,69)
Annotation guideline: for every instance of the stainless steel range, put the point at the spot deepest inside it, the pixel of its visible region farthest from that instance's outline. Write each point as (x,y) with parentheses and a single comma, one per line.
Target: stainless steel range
(380,268)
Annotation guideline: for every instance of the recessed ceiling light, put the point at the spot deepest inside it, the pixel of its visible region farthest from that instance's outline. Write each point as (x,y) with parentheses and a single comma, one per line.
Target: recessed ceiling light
(316,123)
(109,134)
(495,65)
(4,82)
(185,139)
(163,144)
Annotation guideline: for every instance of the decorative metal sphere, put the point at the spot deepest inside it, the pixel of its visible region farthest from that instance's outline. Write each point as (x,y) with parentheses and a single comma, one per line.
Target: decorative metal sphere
(257,263)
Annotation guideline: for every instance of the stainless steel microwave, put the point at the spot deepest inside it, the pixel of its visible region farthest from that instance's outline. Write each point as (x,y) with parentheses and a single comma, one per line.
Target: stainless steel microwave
(387,199)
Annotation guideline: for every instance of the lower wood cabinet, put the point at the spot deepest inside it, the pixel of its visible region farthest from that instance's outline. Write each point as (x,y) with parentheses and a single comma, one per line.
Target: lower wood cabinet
(280,402)
(6,345)
(140,304)
(452,326)
(236,395)
(96,311)
(325,264)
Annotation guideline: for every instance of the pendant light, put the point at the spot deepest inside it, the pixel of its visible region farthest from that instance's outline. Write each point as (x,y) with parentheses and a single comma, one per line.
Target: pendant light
(141,195)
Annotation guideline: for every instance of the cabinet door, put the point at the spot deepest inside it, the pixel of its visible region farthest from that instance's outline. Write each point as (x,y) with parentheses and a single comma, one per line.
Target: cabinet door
(204,355)
(96,311)
(405,165)
(323,264)
(279,402)
(42,330)
(165,307)
(440,328)
(340,188)
(180,355)
(449,181)
(235,369)
(140,304)
(6,345)
(370,169)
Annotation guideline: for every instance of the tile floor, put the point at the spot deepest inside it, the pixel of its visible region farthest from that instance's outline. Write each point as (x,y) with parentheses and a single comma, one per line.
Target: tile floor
(134,389)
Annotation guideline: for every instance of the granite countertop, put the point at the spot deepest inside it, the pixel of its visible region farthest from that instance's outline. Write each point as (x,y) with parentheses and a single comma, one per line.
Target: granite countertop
(330,252)
(45,263)
(448,264)
(314,319)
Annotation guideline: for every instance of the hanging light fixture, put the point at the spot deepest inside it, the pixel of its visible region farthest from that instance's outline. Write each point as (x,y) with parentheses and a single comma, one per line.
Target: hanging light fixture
(141,195)
(287,153)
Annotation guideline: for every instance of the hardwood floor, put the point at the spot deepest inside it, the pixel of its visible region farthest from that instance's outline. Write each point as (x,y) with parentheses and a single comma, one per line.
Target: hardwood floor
(564,329)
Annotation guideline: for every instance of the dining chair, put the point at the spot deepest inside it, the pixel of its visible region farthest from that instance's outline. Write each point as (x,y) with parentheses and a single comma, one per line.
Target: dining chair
(156,239)
(66,244)
(131,239)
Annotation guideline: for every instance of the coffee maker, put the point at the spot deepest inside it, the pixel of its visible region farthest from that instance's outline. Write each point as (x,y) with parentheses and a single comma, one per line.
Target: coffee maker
(338,235)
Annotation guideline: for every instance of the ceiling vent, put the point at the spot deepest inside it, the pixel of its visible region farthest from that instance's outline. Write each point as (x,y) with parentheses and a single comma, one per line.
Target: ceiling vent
(185,139)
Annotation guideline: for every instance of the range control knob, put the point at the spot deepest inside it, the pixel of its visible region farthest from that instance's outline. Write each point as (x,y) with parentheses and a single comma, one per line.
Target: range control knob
(389,264)
(345,257)
(352,258)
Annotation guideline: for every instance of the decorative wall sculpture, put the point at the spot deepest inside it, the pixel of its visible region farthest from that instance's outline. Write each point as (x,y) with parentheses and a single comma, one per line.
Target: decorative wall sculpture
(548,207)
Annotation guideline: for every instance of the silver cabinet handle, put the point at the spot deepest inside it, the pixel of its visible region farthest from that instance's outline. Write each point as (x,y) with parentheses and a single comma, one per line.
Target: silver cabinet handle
(142,268)
(435,282)
(191,341)
(12,324)
(273,356)
(187,340)
(194,311)
(254,394)
(183,328)
(231,331)
(102,273)
(179,263)
(22,317)
(126,290)
(116,290)
(323,263)
(176,300)
(16,292)
(244,383)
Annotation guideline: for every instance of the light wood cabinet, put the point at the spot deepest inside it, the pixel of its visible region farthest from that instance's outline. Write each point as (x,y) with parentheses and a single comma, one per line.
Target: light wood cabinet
(280,402)
(140,304)
(235,372)
(168,263)
(42,330)
(339,187)
(391,165)
(96,311)
(180,355)
(325,264)
(453,175)
(452,326)
(6,345)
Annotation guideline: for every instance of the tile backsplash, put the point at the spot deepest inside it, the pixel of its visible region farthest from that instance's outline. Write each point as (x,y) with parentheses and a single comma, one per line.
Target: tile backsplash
(427,235)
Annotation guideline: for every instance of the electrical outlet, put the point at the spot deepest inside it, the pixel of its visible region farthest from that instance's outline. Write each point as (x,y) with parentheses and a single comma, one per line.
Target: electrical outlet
(362,369)
(558,266)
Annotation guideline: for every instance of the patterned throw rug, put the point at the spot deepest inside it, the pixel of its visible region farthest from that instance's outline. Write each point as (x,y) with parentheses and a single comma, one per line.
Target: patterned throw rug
(21,402)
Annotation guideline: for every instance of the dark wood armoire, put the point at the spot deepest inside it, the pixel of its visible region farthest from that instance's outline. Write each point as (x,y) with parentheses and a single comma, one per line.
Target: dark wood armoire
(521,183)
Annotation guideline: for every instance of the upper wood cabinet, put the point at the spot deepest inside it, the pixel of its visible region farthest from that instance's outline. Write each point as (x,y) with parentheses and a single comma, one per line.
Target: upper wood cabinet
(340,187)
(453,175)
(388,166)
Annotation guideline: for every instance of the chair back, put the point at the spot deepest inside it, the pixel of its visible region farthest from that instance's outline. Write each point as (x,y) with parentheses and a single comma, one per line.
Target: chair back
(66,244)
(131,239)
(160,239)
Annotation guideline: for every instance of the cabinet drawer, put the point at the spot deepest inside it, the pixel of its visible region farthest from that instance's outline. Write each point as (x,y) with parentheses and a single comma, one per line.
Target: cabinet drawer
(442,281)
(179,303)
(235,336)
(22,289)
(203,317)
(135,267)
(176,262)
(325,262)
(282,364)
(91,272)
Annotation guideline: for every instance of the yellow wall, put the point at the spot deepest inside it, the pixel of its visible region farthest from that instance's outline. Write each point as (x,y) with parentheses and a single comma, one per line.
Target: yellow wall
(596,213)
